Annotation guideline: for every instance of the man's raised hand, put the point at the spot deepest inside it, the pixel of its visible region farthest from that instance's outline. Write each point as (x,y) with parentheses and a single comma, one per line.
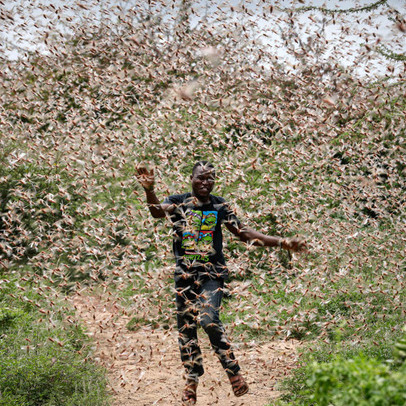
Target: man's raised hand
(145,177)
(295,244)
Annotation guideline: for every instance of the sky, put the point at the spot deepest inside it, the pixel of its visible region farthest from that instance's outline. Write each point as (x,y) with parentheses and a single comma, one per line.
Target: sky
(24,23)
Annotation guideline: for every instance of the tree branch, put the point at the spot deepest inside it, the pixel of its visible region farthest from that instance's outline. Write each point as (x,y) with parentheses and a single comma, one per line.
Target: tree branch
(329,11)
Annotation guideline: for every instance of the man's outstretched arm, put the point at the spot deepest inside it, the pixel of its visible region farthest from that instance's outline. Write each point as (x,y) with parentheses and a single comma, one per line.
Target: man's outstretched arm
(246,234)
(147,181)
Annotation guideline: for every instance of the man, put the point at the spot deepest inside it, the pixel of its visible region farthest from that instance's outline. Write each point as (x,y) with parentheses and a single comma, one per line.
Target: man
(201,270)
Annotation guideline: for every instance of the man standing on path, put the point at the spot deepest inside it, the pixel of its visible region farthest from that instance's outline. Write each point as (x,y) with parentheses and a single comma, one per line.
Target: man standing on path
(201,270)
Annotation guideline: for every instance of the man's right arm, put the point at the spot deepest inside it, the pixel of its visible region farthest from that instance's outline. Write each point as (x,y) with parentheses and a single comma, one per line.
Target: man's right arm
(147,181)
(157,209)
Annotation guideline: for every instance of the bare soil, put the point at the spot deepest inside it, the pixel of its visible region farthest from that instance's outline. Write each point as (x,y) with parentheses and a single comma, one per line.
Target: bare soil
(144,366)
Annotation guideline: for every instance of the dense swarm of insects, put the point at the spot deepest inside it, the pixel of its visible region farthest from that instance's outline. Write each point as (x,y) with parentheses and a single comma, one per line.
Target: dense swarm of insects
(303,146)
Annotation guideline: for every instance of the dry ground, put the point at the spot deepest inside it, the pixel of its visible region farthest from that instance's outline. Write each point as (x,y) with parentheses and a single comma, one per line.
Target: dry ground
(144,366)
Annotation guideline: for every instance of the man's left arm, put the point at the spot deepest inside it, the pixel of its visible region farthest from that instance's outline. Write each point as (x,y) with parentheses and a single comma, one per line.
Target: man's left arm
(246,234)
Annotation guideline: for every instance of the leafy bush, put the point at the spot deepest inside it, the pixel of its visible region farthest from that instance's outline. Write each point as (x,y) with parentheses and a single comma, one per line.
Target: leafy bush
(354,382)
(357,381)
(49,377)
(44,360)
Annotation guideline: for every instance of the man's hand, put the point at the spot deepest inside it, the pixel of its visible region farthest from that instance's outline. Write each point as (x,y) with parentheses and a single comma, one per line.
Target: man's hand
(147,180)
(145,177)
(295,244)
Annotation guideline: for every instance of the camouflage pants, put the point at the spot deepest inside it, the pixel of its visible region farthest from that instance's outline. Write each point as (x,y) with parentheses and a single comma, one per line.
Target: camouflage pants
(198,303)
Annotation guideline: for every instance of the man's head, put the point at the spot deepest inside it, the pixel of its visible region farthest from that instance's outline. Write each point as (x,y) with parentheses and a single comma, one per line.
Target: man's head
(205,165)
(202,178)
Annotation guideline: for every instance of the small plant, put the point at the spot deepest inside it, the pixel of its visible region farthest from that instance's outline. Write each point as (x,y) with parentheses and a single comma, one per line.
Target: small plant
(357,381)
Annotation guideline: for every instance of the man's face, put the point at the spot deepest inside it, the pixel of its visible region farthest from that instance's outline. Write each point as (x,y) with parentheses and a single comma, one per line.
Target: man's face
(203,181)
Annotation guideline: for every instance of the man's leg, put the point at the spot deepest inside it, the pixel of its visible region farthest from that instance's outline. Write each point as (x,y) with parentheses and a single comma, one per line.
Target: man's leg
(209,301)
(190,353)
(209,306)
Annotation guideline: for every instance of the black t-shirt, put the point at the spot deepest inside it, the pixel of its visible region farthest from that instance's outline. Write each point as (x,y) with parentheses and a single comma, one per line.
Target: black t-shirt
(198,239)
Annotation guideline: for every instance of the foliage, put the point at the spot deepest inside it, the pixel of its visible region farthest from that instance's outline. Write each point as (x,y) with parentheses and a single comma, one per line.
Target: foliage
(369,7)
(43,361)
(356,382)
(352,382)
(349,378)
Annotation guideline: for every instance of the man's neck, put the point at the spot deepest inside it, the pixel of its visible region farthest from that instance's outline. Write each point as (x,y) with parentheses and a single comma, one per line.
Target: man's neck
(202,200)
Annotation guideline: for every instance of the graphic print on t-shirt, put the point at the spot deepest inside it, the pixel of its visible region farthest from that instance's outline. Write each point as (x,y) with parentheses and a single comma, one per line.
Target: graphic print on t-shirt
(197,238)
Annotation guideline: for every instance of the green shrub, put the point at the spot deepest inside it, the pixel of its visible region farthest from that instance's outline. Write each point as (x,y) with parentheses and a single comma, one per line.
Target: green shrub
(360,381)
(356,382)
(49,377)
(44,360)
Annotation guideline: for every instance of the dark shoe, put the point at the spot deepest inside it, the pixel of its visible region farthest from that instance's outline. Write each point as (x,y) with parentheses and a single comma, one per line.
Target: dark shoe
(240,387)
(189,393)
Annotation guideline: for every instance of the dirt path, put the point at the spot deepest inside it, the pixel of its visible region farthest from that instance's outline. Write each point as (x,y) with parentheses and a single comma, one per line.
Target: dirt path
(144,366)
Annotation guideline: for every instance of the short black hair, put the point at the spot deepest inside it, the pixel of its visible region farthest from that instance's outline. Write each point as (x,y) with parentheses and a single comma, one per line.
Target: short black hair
(204,164)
